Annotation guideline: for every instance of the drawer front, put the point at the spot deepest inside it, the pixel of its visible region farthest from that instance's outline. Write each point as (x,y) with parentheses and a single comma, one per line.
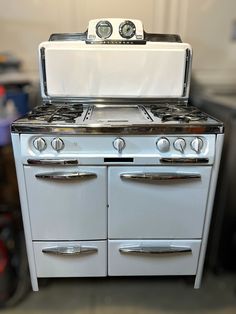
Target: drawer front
(67,203)
(152,257)
(157,202)
(71,259)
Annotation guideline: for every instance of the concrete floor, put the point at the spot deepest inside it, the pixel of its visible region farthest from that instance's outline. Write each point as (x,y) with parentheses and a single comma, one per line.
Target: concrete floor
(131,296)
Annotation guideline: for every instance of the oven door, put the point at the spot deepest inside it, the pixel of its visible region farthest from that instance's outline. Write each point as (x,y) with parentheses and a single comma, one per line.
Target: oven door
(67,203)
(157,202)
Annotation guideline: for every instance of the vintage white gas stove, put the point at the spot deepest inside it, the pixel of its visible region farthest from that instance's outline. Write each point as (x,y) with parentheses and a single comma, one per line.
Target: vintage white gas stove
(116,171)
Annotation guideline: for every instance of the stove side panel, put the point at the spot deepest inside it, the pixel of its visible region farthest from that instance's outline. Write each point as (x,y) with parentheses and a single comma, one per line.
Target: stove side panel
(24,209)
(211,196)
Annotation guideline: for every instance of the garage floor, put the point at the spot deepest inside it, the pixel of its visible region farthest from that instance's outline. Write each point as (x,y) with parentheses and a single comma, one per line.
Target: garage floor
(131,295)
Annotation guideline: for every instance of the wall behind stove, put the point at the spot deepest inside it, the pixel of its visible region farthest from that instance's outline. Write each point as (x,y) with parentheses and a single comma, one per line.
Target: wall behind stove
(206,24)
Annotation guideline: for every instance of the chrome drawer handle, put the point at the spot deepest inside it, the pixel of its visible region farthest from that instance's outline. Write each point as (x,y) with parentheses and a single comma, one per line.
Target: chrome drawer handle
(152,176)
(185,160)
(48,162)
(66,175)
(154,249)
(70,250)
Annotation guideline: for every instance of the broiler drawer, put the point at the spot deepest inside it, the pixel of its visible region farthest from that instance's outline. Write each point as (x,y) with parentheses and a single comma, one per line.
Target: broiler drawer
(71,259)
(152,257)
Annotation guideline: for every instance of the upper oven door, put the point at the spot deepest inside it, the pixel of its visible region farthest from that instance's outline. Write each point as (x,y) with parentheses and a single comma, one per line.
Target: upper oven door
(67,203)
(157,202)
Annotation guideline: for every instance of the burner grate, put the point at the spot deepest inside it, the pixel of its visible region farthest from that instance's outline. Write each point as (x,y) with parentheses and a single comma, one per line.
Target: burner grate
(50,113)
(181,113)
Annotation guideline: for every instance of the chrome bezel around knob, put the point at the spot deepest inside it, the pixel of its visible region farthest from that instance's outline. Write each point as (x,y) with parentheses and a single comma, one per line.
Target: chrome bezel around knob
(119,144)
(176,143)
(199,145)
(39,144)
(57,144)
(163,144)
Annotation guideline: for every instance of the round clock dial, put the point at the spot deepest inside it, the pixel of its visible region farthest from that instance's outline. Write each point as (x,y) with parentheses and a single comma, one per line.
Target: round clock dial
(104,29)
(127,29)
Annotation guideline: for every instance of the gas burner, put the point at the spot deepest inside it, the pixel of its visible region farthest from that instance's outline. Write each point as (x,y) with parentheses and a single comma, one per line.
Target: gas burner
(50,113)
(181,113)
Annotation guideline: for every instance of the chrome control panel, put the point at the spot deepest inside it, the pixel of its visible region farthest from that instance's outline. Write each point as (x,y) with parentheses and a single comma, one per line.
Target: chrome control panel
(115,29)
(142,149)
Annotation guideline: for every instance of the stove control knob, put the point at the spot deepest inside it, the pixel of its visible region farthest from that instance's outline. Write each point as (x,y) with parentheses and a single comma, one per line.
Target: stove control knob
(119,144)
(180,144)
(197,144)
(39,144)
(163,144)
(57,144)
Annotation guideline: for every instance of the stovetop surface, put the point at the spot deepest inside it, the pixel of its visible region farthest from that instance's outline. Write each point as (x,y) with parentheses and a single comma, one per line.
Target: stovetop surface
(78,115)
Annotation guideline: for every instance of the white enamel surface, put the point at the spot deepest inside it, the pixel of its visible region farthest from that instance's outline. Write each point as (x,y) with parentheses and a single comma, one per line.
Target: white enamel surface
(79,70)
(169,209)
(85,265)
(120,264)
(69,209)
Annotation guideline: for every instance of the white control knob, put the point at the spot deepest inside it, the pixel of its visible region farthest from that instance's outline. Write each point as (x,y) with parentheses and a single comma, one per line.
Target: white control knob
(180,144)
(197,144)
(57,144)
(39,144)
(119,144)
(163,144)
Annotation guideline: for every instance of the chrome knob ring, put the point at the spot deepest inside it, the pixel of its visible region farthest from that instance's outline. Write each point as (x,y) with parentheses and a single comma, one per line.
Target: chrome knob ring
(197,144)
(163,144)
(180,144)
(119,144)
(57,144)
(40,144)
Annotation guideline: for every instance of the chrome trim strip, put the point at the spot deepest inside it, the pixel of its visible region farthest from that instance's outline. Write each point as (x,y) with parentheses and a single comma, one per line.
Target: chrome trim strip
(154,249)
(187,73)
(115,100)
(152,176)
(66,175)
(49,162)
(70,250)
(43,64)
(131,129)
(185,160)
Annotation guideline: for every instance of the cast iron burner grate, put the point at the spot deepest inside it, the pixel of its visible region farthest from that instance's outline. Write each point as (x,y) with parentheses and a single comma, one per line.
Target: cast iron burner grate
(50,113)
(180,113)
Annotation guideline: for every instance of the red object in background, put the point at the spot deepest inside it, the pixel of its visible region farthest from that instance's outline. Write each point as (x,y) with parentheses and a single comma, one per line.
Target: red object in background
(2,91)
(3,257)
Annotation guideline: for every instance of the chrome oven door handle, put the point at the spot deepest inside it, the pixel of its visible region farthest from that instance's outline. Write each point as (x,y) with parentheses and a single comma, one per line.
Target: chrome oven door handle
(153,176)
(66,175)
(70,250)
(154,249)
(48,162)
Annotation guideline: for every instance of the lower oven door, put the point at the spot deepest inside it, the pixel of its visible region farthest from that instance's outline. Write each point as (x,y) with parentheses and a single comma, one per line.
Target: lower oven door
(157,202)
(67,203)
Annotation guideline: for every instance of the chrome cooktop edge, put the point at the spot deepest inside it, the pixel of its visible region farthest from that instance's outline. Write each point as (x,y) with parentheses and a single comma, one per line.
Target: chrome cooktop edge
(114,129)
